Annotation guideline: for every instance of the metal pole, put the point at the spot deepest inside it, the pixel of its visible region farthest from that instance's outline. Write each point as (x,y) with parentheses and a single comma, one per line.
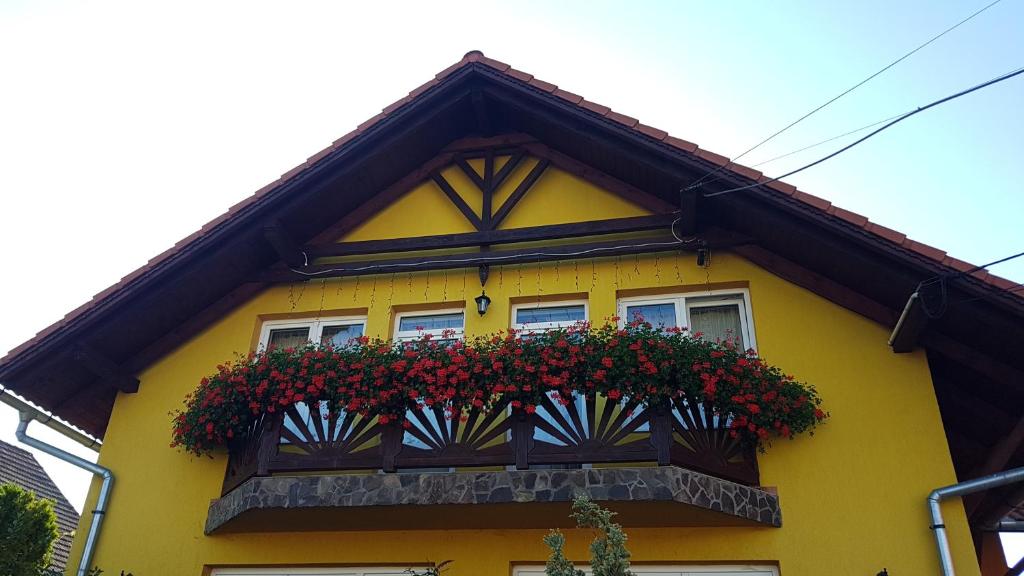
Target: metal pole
(27,416)
(968,487)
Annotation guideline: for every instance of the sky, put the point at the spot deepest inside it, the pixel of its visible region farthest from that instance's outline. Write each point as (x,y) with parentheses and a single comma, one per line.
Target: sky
(124,126)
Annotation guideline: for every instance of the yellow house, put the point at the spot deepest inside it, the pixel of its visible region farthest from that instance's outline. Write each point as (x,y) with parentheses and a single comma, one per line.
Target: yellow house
(486,181)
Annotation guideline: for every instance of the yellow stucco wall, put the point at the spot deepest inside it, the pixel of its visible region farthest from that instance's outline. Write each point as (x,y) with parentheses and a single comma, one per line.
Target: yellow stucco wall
(852,496)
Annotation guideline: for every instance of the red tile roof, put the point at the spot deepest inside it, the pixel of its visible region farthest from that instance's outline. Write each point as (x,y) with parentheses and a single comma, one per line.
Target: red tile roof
(476,57)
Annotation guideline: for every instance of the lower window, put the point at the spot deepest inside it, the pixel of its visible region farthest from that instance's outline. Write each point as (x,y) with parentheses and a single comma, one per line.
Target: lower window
(347,571)
(673,570)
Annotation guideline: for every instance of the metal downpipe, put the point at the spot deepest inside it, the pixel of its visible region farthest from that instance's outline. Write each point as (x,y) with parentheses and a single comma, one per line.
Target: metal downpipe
(27,416)
(961,489)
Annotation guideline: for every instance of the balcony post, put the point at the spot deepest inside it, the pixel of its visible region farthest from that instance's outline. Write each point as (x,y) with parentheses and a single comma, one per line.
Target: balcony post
(391,436)
(661,433)
(522,438)
(269,437)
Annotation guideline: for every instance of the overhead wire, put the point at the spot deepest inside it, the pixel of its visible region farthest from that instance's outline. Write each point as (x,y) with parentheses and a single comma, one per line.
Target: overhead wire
(720,169)
(888,125)
(826,141)
(942,279)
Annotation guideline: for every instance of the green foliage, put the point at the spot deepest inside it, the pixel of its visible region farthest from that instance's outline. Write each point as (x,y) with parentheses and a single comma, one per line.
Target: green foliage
(96,571)
(608,553)
(28,529)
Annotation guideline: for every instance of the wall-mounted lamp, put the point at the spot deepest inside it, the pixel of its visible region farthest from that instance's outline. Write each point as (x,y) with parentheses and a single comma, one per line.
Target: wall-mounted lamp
(482,302)
(703,256)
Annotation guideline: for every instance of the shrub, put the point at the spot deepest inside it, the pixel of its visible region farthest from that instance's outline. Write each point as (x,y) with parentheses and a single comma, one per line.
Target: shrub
(28,529)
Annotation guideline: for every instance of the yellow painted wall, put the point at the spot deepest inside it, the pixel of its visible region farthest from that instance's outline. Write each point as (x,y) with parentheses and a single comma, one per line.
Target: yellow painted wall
(852,496)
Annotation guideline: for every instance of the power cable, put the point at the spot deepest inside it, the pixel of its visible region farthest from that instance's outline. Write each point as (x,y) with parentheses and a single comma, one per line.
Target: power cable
(700,181)
(995,80)
(816,144)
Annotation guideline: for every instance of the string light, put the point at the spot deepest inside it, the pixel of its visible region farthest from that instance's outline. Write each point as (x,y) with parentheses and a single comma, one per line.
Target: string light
(323,294)
(355,291)
(679,276)
(391,290)
(576,274)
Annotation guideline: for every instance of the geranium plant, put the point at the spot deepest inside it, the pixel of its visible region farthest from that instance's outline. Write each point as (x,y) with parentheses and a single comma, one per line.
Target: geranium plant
(376,378)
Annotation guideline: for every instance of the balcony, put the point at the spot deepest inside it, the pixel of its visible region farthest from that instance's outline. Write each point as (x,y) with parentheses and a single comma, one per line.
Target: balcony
(297,468)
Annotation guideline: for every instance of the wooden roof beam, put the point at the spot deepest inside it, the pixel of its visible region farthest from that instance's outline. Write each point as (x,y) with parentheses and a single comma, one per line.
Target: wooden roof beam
(487,237)
(975,360)
(661,243)
(109,372)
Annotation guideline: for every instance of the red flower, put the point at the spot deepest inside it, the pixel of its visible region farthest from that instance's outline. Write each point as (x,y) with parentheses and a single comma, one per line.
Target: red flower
(606,362)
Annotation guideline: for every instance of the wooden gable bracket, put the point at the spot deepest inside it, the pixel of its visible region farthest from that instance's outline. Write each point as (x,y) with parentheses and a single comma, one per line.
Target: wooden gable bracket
(110,373)
(457,200)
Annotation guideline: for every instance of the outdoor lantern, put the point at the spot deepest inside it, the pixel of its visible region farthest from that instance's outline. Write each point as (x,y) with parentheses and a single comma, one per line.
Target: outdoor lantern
(482,302)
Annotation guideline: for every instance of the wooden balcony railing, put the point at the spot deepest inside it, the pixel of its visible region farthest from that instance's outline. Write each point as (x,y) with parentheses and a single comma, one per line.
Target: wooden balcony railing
(590,431)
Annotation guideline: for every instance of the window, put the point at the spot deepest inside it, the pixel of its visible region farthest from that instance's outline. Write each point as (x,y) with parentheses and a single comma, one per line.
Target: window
(338,331)
(415,325)
(718,315)
(540,316)
(346,571)
(672,570)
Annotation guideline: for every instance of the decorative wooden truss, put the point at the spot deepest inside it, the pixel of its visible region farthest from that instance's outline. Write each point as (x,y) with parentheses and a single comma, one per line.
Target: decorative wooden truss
(306,438)
(665,226)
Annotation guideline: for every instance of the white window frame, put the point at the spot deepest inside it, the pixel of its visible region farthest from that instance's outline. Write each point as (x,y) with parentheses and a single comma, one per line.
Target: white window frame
(666,569)
(315,325)
(411,335)
(535,327)
(683,301)
(340,571)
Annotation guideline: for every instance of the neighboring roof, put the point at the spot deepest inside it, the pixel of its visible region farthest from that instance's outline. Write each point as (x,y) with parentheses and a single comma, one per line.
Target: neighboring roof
(20,467)
(36,370)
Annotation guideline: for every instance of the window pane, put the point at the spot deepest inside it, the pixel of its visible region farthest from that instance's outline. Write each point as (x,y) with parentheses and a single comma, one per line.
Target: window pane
(288,338)
(720,322)
(658,315)
(431,322)
(567,314)
(340,335)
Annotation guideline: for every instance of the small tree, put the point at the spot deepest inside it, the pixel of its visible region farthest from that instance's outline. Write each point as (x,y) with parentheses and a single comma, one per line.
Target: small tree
(28,529)
(608,553)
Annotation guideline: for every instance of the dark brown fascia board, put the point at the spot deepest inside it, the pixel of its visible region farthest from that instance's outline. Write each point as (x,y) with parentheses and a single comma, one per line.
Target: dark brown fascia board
(366,144)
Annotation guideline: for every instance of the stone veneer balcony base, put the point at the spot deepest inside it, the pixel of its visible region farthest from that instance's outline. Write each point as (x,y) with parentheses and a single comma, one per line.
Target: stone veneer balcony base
(643,496)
